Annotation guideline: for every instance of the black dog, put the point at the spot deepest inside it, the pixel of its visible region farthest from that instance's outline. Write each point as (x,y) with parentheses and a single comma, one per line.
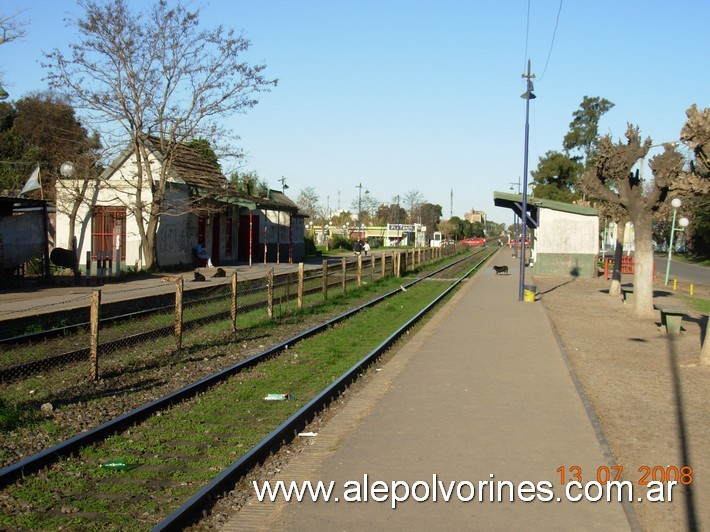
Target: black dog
(220,273)
(501,269)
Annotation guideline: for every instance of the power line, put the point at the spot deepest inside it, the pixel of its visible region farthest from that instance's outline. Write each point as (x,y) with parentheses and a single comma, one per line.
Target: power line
(552,43)
(527,34)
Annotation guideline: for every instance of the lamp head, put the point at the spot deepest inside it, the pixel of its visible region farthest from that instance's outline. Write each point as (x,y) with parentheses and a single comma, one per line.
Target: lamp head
(676,203)
(67,169)
(683,222)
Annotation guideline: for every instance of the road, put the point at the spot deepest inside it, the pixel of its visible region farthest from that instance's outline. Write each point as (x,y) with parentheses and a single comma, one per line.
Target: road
(691,273)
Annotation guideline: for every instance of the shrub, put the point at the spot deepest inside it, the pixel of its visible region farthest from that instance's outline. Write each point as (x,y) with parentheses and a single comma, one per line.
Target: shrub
(339,242)
(309,246)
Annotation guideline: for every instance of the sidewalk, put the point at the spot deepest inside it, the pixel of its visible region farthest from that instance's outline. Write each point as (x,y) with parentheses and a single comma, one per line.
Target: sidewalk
(37,299)
(482,392)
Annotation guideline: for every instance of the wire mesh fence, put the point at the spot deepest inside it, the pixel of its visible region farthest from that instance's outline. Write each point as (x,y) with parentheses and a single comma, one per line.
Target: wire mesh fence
(99,341)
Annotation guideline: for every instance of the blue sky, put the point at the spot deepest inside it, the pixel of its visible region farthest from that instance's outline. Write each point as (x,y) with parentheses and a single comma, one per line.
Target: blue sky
(425,95)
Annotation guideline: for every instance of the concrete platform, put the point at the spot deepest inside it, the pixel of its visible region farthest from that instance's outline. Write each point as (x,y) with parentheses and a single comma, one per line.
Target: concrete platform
(481,393)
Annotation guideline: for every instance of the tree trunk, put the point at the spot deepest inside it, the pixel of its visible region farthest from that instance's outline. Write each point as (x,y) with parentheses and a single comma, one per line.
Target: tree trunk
(705,351)
(643,267)
(615,286)
(151,239)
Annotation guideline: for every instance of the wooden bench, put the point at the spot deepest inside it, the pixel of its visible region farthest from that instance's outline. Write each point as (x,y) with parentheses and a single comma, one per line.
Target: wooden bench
(671,317)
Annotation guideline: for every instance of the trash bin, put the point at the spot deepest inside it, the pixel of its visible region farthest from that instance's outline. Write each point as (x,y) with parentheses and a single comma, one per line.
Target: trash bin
(529,291)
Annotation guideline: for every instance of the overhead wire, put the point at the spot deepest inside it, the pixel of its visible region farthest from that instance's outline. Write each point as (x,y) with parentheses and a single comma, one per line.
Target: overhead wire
(552,43)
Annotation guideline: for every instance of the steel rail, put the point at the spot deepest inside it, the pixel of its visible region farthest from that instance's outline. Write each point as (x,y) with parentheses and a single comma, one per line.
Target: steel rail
(50,455)
(10,373)
(193,508)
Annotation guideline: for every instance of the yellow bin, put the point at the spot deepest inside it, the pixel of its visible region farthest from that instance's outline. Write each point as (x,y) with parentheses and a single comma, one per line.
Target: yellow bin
(529,292)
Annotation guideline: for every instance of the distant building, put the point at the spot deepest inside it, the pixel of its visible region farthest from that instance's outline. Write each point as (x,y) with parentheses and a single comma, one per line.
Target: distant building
(476,217)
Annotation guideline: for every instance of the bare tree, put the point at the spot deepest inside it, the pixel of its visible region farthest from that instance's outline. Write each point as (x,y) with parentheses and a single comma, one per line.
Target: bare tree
(618,215)
(307,202)
(613,181)
(11,27)
(696,135)
(413,199)
(155,73)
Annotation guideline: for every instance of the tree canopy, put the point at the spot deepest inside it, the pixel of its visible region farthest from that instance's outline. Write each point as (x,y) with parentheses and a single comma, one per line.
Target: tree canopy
(558,173)
(583,132)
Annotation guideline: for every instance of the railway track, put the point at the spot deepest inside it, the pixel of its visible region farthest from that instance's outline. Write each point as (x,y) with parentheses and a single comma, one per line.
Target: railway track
(182,450)
(44,363)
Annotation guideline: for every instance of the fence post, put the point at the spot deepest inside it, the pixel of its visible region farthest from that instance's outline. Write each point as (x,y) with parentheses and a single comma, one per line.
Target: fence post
(95,316)
(300,286)
(384,262)
(233,306)
(88,268)
(325,279)
(179,285)
(398,266)
(344,272)
(118,261)
(372,269)
(359,271)
(270,293)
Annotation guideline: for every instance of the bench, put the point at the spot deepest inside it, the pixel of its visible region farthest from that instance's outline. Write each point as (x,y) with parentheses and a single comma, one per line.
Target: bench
(627,294)
(671,317)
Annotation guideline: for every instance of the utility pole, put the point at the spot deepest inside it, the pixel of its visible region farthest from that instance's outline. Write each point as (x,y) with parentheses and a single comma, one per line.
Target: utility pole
(451,205)
(359,206)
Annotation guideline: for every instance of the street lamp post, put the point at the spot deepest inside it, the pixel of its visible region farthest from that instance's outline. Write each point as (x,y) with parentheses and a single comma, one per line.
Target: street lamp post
(683,222)
(359,206)
(527,96)
(514,240)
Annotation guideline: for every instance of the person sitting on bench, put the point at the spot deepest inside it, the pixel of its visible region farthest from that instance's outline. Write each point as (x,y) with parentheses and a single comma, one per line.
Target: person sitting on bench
(201,253)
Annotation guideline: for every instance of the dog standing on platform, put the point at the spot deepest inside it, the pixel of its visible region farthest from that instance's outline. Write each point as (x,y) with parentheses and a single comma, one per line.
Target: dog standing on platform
(501,269)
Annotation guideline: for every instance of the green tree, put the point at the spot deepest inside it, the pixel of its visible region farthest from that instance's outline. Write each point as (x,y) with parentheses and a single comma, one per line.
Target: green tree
(155,72)
(205,148)
(17,161)
(457,227)
(556,177)
(583,132)
(430,214)
(44,130)
(249,184)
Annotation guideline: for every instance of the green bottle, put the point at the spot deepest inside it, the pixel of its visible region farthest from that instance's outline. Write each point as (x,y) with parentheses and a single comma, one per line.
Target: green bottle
(116,465)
